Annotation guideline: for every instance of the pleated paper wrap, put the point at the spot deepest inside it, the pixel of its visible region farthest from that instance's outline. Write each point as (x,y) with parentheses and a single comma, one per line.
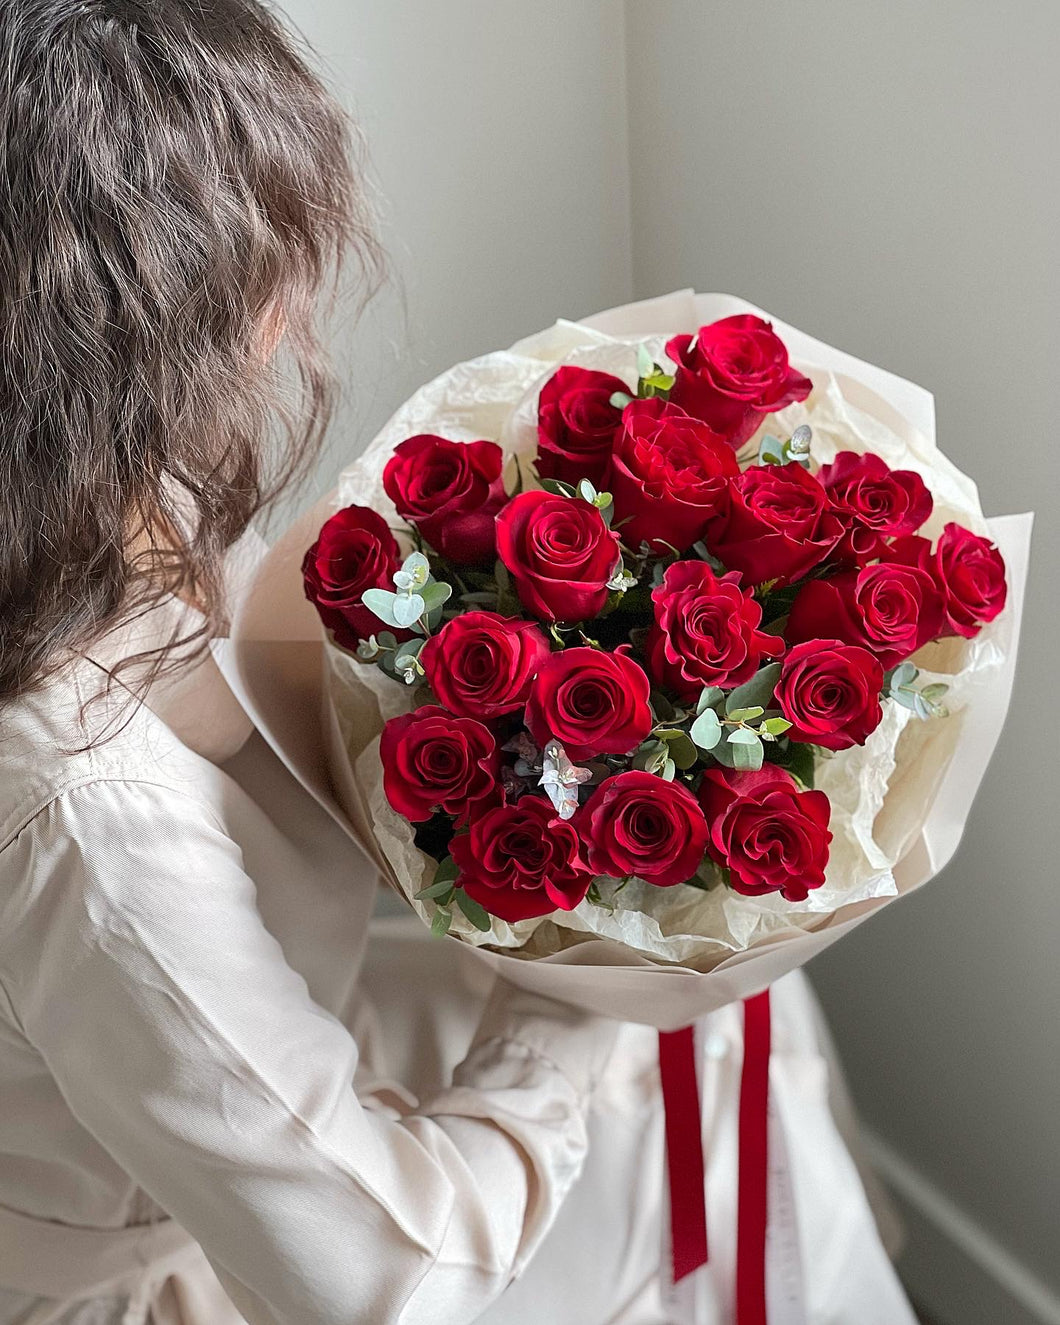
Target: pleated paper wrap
(899,803)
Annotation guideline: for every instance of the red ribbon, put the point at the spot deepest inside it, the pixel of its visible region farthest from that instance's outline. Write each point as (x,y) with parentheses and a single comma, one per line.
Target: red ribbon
(684,1150)
(684,1157)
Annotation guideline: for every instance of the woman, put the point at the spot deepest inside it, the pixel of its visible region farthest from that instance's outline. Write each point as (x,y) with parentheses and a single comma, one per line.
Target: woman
(199,1120)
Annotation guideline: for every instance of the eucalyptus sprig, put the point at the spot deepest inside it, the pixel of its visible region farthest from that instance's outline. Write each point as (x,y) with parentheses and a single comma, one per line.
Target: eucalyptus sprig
(925,702)
(735,728)
(444,892)
(772,451)
(418,601)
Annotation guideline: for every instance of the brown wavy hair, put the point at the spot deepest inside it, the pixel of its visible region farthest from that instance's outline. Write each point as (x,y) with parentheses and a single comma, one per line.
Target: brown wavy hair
(177,189)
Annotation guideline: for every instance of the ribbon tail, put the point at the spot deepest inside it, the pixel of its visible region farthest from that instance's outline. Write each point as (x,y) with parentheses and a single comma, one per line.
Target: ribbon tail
(752,1208)
(684,1151)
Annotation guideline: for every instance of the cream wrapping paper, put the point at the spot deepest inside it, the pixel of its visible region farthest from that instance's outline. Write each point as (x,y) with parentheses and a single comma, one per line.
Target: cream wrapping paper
(899,803)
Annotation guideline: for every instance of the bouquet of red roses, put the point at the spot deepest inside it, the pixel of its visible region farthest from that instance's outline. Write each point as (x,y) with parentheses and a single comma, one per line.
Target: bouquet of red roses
(662,649)
(642,660)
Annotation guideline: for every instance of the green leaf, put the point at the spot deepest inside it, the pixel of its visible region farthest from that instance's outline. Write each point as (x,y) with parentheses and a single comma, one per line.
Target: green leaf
(754,693)
(439,888)
(382,602)
(645,363)
(477,914)
(407,609)
(706,730)
(934,692)
(557,488)
(619,400)
(709,696)
(587,492)
(800,760)
(902,675)
(747,750)
(448,869)
(771,451)
(775,726)
(441,922)
(435,594)
(680,747)
(745,715)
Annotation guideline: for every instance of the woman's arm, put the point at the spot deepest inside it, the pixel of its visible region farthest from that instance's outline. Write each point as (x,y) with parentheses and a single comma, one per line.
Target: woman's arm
(182,1040)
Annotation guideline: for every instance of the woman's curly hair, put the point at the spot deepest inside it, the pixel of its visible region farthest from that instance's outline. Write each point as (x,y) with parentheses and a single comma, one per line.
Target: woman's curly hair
(176,190)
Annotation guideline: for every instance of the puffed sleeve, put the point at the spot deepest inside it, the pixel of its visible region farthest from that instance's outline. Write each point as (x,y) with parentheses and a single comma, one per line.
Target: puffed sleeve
(181,1039)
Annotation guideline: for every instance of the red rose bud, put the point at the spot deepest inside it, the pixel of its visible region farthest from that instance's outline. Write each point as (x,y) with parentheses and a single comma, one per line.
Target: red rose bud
(830,693)
(667,474)
(480,665)
(637,823)
(875,503)
(769,835)
(732,373)
(591,702)
(433,761)
(451,492)
(775,522)
(576,425)
(354,551)
(706,631)
(522,860)
(889,609)
(970,571)
(560,553)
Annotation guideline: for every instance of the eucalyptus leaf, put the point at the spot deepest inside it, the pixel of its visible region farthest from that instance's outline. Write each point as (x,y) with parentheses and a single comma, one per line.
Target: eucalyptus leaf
(382,602)
(439,888)
(557,488)
(645,363)
(477,914)
(681,749)
(435,594)
(706,730)
(745,715)
(441,922)
(771,451)
(407,609)
(754,693)
(619,400)
(709,696)
(775,726)
(747,750)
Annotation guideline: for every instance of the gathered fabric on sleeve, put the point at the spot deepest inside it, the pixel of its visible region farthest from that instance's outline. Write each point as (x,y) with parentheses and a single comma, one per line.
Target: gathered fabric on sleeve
(136,963)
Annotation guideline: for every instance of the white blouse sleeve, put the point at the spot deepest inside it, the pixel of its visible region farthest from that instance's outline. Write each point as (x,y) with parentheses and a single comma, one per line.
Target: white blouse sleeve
(181,1039)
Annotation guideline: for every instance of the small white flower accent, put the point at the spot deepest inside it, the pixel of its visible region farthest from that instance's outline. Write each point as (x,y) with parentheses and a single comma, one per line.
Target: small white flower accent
(622,581)
(561,779)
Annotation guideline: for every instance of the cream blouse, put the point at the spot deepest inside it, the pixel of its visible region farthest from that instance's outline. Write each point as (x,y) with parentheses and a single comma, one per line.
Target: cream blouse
(181,934)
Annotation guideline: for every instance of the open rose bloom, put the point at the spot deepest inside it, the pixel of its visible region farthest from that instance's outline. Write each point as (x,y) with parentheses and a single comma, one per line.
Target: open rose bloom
(630,839)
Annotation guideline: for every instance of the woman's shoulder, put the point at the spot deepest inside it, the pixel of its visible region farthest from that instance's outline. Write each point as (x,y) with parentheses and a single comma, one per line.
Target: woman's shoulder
(62,737)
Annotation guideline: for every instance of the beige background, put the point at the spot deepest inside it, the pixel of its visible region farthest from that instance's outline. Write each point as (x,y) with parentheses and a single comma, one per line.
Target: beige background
(885,177)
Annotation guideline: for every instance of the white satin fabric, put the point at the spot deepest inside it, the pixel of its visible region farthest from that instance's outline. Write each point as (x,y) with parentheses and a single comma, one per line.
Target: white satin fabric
(199,1020)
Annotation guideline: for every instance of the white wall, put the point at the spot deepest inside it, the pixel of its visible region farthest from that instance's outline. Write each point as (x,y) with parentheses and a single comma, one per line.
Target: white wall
(497,136)
(887,177)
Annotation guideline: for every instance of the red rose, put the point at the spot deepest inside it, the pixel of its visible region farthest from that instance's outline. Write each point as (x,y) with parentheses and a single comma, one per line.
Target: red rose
(576,424)
(774,522)
(889,609)
(830,693)
(732,373)
(354,551)
(706,631)
(876,503)
(770,836)
(637,823)
(480,665)
(592,702)
(667,473)
(522,860)
(969,572)
(433,761)
(451,492)
(560,552)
